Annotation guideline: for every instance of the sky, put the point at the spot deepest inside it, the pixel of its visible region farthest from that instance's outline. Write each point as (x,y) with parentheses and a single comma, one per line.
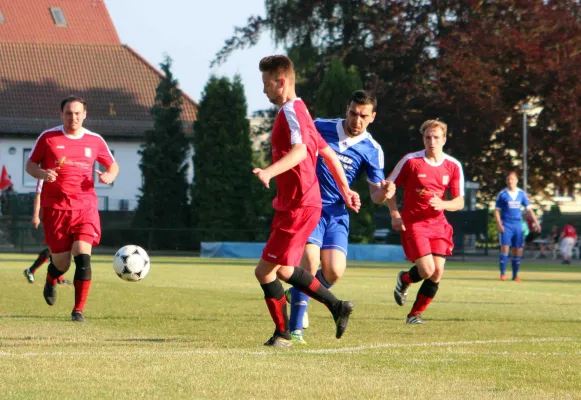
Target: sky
(191,32)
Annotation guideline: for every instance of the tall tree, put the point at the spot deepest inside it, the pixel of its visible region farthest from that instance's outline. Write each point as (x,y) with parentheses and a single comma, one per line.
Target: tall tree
(472,64)
(223,193)
(164,200)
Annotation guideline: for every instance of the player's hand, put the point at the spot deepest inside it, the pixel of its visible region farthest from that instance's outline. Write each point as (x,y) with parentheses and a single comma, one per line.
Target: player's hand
(437,203)
(50,175)
(35,221)
(536,227)
(105,177)
(500,228)
(263,176)
(388,189)
(397,224)
(352,200)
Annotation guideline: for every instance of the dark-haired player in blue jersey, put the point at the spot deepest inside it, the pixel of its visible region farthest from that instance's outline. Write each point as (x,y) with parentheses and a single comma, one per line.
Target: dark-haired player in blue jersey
(359,153)
(509,223)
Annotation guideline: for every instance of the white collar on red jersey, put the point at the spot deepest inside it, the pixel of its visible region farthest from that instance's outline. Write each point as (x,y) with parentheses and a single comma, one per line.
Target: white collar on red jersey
(434,164)
(346,141)
(62,127)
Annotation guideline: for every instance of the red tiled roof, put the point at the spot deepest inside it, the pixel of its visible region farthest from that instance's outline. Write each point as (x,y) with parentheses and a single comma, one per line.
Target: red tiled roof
(35,77)
(88,22)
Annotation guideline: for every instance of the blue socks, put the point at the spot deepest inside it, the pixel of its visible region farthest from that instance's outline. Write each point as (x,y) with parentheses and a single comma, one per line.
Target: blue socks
(503,263)
(300,301)
(515,267)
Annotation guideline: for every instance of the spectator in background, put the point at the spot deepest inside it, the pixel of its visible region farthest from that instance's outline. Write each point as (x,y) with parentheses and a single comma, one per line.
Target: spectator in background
(567,240)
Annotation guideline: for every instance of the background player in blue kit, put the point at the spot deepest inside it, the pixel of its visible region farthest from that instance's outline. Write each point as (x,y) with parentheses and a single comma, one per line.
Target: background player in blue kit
(358,153)
(509,223)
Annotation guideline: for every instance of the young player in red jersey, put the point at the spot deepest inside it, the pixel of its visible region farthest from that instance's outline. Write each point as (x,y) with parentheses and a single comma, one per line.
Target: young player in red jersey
(44,255)
(426,235)
(63,157)
(295,145)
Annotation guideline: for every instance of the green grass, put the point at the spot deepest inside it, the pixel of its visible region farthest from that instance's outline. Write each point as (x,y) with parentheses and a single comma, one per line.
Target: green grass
(194,328)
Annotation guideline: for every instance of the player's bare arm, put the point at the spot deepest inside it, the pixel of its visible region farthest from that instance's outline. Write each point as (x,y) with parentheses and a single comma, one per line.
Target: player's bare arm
(396,221)
(457,203)
(110,175)
(352,199)
(381,192)
(499,225)
(34,170)
(36,211)
(290,160)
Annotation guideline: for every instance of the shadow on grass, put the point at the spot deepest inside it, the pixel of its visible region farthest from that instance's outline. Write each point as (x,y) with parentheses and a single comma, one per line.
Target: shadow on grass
(43,317)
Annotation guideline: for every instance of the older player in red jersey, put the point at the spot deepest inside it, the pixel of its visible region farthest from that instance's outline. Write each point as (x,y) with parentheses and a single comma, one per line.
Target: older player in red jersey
(295,145)
(426,235)
(63,157)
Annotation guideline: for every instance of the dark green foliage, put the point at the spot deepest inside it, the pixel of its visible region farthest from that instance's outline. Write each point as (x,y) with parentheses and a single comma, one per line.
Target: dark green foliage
(164,200)
(224,190)
(470,63)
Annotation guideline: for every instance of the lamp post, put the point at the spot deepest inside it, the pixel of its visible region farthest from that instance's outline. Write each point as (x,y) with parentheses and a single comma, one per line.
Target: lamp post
(524,108)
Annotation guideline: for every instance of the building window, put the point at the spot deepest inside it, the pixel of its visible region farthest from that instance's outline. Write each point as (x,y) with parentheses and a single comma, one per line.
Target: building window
(100,167)
(58,16)
(1,17)
(27,180)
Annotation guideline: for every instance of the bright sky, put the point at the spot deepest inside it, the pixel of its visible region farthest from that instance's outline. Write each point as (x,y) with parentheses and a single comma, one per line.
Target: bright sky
(191,32)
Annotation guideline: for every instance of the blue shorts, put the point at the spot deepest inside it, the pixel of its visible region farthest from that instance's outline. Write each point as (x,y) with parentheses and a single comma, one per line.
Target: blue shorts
(512,235)
(332,232)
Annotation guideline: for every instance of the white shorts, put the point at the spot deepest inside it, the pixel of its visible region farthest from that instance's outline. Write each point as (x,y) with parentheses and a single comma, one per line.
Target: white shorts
(567,246)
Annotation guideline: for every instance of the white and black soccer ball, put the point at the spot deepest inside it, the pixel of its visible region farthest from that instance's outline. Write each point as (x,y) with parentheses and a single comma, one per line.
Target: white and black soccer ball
(131,263)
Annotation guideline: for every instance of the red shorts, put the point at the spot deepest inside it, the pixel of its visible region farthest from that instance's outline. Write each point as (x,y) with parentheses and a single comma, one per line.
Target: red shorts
(288,235)
(427,237)
(63,227)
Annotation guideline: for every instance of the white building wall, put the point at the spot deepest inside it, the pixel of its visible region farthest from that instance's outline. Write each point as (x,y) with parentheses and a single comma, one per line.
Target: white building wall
(123,192)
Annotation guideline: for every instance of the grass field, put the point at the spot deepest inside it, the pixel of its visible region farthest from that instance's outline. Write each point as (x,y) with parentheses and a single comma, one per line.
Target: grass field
(194,328)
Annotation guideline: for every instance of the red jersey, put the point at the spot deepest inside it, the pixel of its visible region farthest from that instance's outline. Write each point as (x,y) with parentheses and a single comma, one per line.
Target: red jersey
(75,156)
(569,231)
(298,186)
(422,179)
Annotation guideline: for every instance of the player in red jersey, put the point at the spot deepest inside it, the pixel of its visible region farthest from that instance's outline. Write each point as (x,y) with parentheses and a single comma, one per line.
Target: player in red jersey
(568,238)
(44,255)
(426,235)
(63,157)
(295,145)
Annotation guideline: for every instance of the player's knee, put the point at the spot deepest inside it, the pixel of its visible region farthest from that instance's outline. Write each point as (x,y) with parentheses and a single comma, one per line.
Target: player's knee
(83,267)
(332,275)
(45,253)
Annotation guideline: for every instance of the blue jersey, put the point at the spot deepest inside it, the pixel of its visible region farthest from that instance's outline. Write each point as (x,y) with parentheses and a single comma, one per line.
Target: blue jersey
(510,203)
(357,154)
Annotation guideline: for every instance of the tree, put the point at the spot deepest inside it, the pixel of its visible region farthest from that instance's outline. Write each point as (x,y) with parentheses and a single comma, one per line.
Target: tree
(164,200)
(223,191)
(470,63)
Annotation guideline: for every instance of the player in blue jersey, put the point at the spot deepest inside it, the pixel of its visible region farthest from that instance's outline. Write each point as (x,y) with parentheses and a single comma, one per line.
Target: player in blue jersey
(359,153)
(509,223)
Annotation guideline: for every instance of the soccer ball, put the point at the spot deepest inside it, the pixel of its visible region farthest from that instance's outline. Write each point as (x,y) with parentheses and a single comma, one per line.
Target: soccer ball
(131,263)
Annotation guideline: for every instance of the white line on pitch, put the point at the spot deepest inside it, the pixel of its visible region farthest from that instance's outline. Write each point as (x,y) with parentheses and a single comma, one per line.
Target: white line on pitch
(274,352)
(480,289)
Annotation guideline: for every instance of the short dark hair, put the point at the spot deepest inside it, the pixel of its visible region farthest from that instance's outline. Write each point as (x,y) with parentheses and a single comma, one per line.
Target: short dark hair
(277,65)
(72,98)
(513,172)
(363,97)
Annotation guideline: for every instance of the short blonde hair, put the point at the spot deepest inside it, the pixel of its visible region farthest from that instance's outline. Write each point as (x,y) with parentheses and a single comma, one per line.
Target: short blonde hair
(434,123)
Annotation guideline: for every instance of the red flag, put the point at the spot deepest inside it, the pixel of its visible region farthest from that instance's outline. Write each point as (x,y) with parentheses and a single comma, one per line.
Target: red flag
(5,181)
